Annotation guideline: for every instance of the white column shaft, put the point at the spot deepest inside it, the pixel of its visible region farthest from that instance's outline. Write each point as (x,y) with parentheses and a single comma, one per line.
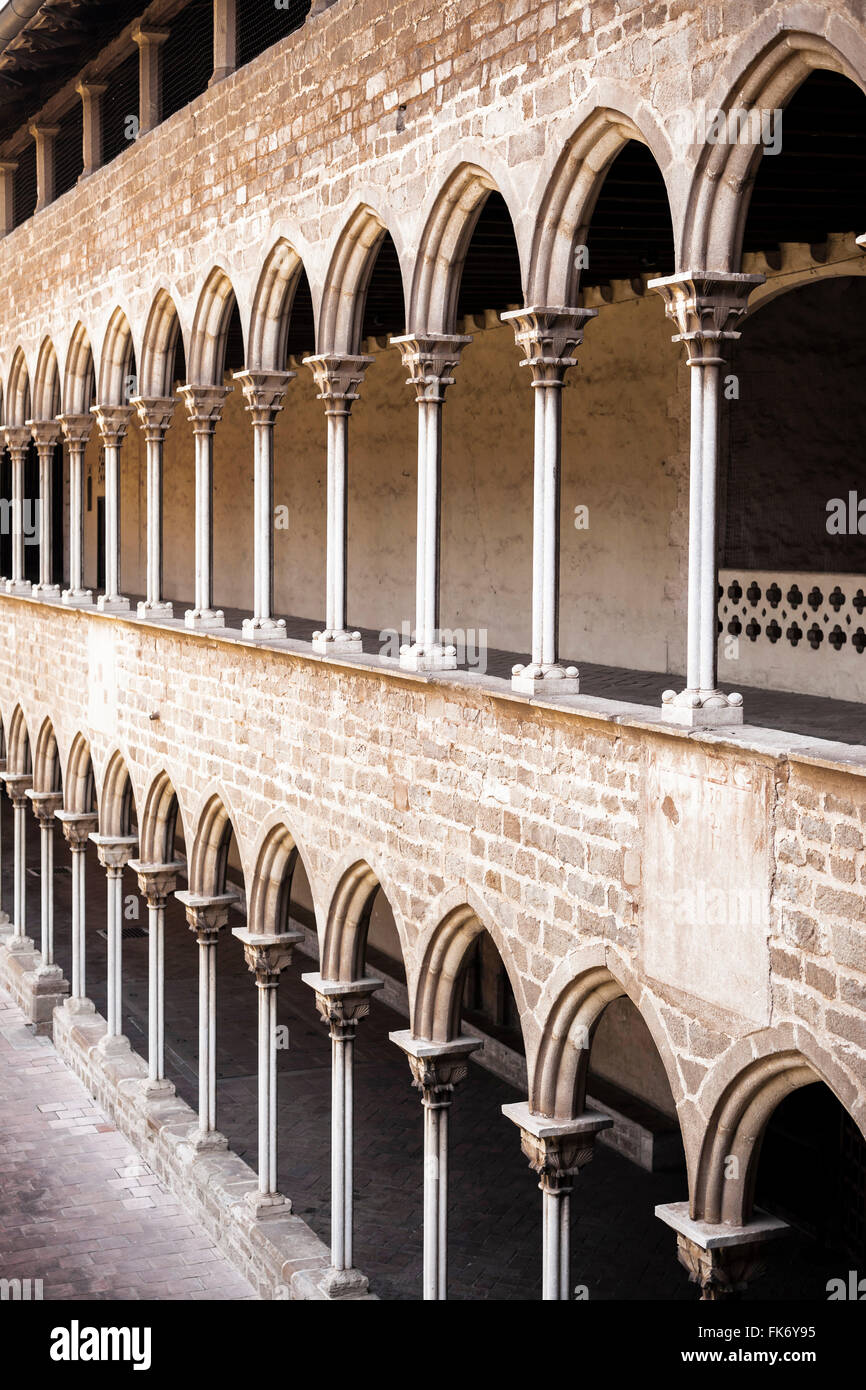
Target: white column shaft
(432,504)
(550,525)
(263,537)
(338,1154)
(78,924)
(46,515)
(154,521)
(693,675)
(76,516)
(112,521)
(46,944)
(17,516)
(204,520)
(20,870)
(156,993)
(708,575)
(421,527)
(114,923)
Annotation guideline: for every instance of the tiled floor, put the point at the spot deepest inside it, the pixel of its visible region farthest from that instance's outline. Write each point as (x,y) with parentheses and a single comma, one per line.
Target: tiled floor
(78,1207)
(620,1250)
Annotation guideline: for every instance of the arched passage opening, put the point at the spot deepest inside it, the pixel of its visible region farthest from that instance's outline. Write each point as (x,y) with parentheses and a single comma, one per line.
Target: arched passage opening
(793,573)
(17,437)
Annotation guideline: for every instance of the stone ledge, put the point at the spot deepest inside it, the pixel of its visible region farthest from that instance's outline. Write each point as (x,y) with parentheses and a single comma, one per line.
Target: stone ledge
(37,996)
(282,1257)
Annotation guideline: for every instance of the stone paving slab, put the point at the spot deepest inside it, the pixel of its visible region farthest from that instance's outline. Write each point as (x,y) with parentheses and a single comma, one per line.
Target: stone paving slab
(78,1207)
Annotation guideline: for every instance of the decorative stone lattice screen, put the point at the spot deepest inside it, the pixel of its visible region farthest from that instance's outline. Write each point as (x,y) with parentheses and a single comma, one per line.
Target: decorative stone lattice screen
(794,631)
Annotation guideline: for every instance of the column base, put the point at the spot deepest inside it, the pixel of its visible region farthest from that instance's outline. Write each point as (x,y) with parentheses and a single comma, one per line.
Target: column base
(20,945)
(48,978)
(267,1204)
(199,618)
(264,629)
(113,1045)
(342,1283)
(702,709)
(20,588)
(553,680)
(117,604)
(204,1141)
(332,640)
(79,1004)
(154,610)
(722,1259)
(51,592)
(156,1090)
(77,598)
(432,657)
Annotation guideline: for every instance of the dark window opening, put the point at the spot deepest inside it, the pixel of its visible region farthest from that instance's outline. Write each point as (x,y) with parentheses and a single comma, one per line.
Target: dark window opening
(31,515)
(301,339)
(69,151)
(234,354)
(630,232)
(179,374)
(120,109)
(187,57)
(261,24)
(491,272)
(24,185)
(817,182)
(384,311)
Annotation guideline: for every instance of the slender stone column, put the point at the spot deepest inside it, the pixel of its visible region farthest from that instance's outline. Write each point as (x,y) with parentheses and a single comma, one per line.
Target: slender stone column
(115,852)
(113,422)
(78,826)
(436,1070)
(91,94)
(150,43)
(206,917)
(6,926)
(225,43)
(267,954)
(342,1004)
(76,429)
(45,136)
(548,338)
(204,405)
(45,805)
(430,361)
(156,882)
(721,1259)
(8,168)
(339,382)
(264,393)
(17,785)
(557,1150)
(704,306)
(155,414)
(18,443)
(46,437)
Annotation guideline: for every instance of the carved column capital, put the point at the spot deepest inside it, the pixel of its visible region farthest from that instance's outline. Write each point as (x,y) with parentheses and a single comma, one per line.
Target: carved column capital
(206,916)
(113,422)
(704,306)
(154,415)
(431,360)
(264,393)
(76,428)
(338,379)
(18,440)
(156,881)
(342,1003)
(204,406)
(17,786)
(721,1258)
(115,851)
(46,434)
(267,954)
(437,1067)
(78,826)
(556,1149)
(548,338)
(44,805)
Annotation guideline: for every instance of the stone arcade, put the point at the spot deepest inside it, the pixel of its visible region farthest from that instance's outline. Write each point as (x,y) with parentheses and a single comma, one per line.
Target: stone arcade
(433,282)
